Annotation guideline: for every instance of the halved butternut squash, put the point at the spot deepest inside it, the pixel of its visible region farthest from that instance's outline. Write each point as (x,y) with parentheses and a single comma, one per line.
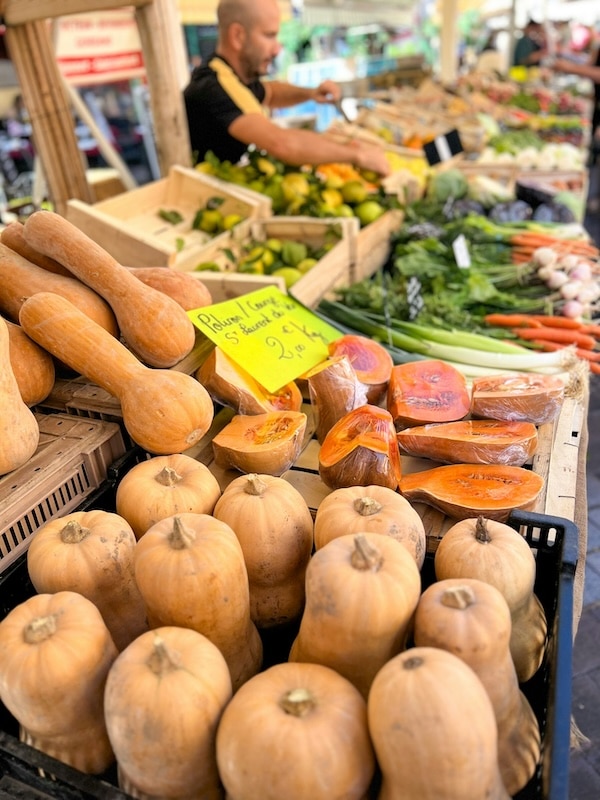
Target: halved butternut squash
(476,441)
(361,450)
(370,360)
(463,491)
(230,385)
(266,443)
(527,398)
(420,392)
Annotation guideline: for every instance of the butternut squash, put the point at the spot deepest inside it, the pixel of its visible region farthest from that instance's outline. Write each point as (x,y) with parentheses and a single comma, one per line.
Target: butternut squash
(334,389)
(19,279)
(471,619)
(12,236)
(361,593)
(19,430)
(529,398)
(183,287)
(433,728)
(152,324)
(164,411)
(494,552)
(420,392)
(33,367)
(370,361)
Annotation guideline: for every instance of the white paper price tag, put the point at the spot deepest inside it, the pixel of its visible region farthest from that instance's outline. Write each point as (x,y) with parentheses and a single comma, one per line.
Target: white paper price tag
(461,252)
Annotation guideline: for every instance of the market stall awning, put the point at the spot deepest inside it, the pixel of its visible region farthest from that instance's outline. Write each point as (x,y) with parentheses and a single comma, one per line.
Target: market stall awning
(204,12)
(348,13)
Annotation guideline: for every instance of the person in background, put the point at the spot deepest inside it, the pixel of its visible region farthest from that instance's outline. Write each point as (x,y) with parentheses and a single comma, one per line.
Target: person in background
(531,47)
(227,101)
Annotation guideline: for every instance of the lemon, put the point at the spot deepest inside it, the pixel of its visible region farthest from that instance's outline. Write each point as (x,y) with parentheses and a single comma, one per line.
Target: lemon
(354,191)
(344,211)
(289,274)
(211,220)
(306,264)
(207,266)
(332,198)
(230,220)
(368,211)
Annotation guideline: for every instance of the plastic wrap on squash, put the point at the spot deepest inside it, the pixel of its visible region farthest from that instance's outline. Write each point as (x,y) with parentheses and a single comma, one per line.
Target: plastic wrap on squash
(525,398)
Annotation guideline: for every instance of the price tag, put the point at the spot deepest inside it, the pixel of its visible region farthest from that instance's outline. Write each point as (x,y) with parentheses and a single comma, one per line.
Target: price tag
(443,148)
(461,252)
(268,333)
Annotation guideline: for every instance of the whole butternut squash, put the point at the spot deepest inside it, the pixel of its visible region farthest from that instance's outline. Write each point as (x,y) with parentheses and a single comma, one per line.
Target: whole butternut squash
(295,731)
(190,570)
(12,236)
(361,594)
(154,325)
(370,509)
(433,729)
(471,619)
(91,552)
(164,411)
(19,430)
(33,367)
(496,553)
(274,526)
(55,653)
(183,287)
(162,486)
(20,279)
(164,697)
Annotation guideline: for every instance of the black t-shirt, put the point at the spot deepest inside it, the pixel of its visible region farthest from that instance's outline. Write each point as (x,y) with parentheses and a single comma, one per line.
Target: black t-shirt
(214,98)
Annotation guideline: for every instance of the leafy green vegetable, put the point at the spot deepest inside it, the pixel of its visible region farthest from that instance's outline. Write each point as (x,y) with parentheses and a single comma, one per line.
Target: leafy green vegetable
(171,216)
(443,186)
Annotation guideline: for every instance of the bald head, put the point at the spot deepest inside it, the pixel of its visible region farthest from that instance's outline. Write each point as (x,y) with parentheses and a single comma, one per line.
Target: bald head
(244,12)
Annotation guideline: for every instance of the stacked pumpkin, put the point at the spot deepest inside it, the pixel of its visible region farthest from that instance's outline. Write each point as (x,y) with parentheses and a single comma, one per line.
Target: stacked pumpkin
(159,613)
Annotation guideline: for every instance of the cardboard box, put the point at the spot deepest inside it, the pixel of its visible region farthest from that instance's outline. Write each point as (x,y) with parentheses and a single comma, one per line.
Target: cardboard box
(131,229)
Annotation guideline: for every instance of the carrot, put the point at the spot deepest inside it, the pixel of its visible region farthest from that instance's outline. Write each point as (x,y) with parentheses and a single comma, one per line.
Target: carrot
(591,328)
(557,321)
(560,335)
(500,320)
(591,356)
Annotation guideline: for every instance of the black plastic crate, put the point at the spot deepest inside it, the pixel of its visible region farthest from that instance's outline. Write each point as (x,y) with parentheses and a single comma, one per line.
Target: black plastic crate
(554,541)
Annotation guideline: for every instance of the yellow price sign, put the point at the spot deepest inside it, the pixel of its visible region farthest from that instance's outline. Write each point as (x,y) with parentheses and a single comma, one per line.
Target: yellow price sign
(268,333)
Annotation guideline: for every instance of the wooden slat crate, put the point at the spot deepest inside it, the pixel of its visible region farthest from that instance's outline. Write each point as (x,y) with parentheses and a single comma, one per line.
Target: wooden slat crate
(130,228)
(71,461)
(374,244)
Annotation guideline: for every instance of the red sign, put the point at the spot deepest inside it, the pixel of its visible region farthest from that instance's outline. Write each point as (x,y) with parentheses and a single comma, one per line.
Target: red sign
(99,47)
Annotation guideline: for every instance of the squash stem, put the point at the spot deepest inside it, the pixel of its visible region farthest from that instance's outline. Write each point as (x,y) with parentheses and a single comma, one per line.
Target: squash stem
(297,702)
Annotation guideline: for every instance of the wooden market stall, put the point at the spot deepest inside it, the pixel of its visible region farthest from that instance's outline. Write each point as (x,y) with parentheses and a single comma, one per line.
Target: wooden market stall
(28,38)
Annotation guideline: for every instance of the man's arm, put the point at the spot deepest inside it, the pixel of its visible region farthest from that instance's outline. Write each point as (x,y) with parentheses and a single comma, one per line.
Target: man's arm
(297,147)
(589,70)
(279,94)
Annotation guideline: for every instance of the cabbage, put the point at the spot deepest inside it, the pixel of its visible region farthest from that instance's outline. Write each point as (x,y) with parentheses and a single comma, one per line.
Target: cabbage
(450,183)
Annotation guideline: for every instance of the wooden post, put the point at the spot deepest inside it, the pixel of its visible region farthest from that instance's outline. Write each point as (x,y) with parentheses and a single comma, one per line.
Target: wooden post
(29,43)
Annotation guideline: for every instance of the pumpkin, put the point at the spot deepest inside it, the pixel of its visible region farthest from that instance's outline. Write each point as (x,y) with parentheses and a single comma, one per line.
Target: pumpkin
(266,443)
(370,509)
(464,491)
(19,430)
(182,287)
(528,398)
(361,450)
(164,696)
(20,279)
(91,552)
(361,592)
(472,619)
(334,389)
(162,486)
(12,236)
(420,392)
(274,526)
(153,325)
(475,441)
(371,362)
(295,731)
(494,552)
(55,653)
(32,366)
(191,573)
(433,728)
(230,385)
(164,411)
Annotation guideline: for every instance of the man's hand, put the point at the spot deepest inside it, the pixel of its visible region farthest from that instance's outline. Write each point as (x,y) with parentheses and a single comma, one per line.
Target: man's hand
(328,92)
(370,158)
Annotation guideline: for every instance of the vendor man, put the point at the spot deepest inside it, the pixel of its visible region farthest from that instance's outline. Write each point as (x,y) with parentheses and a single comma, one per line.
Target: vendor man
(226,100)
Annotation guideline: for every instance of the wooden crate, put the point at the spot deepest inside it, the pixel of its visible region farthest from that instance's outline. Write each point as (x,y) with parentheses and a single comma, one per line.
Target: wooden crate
(332,270)
(71,460)
(129,227)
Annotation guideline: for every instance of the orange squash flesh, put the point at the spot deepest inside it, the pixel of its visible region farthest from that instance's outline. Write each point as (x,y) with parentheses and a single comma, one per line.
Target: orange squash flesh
(369,359)
(529,398)
(420,392)
(481,441)
(462,491)
(266,443)
(361,450)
